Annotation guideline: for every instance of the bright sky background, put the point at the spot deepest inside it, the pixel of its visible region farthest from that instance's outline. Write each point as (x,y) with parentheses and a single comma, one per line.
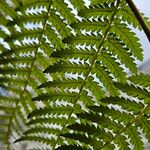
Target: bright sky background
(144,6)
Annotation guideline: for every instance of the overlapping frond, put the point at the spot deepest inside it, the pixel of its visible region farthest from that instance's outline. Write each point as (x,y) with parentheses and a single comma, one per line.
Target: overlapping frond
(62,64)
(117,122)
(30,32)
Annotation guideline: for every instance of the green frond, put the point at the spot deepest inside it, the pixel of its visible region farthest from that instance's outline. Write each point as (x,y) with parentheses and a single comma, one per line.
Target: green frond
(144,125)
(127,15)
(59,24)
(53,37)
(96,89)
(17,64)
(63,75)
(97,11)
(121,141)
(135,138)
(124,103)
(136,91)
(105,78)
(64,82)
(78,4)
(64,11)
(142,79)
(117,49)
(7,10)
(89,40)
(111,64)
(55,96)
(128,37)
(89,25)
(75,147)
(67,67)
(42,121)
(72,52)
(123,125)
(54,110)
(97,2)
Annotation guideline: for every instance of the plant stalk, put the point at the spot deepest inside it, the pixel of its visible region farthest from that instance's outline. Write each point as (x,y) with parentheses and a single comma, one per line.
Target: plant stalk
(139,18)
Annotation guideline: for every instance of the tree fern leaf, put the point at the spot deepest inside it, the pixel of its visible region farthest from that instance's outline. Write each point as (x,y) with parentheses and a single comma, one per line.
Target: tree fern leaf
(20,108)
(97,2)
(63,82)
(116,48)
(74,53)
(26,34)
(18,50)
(95,89)
(82,138)
(136,92)
(89,40)
(84,101)
(91,130)
(135,139)
(127,15)
(55,96)
(30,19)
(104,77)
(15,61)
(67,67)
(13,71)
(144,125)
(78,4)
(41,130)
(44,140)
(70,147)
(112,65)
(116,115)
(54,120)
(62,7)
(89,25)
(121,141)
(105,122)
(143,80)
(129,38)
(55,110)
(125,103)
(53,37)
(97,11)
(46,48)
(7,10)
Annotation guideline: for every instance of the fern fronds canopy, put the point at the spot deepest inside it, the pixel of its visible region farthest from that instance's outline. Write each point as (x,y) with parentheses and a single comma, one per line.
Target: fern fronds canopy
(63,67)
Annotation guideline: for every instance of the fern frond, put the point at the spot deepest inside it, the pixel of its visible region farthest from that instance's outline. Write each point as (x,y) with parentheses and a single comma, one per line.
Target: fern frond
(64,11)
(62,66)
(78,4)
(20,59)
(97,11)
(118,124)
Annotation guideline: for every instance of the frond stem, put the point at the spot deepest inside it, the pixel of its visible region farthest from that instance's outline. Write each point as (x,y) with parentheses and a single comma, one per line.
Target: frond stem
(139,18)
